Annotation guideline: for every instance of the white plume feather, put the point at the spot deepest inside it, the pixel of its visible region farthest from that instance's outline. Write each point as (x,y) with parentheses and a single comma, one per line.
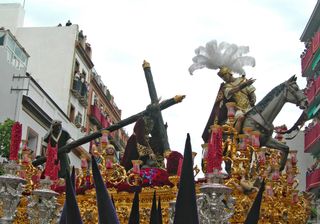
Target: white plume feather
(214,56)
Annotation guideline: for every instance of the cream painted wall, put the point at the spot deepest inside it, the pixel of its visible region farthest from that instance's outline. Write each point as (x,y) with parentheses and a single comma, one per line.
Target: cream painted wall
(51,66)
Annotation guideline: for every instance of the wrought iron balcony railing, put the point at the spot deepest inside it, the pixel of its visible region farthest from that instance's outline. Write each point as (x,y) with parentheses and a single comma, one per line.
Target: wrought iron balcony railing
(313,179)
(311,135)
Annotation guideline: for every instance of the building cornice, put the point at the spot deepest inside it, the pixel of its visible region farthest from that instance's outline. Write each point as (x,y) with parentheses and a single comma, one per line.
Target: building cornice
(313,24)
(97,87)
(37,111)
(84,55)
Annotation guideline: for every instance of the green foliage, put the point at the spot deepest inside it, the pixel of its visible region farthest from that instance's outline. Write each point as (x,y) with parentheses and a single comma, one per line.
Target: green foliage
(5,137)
(314,212)
(316,154)
(1,169)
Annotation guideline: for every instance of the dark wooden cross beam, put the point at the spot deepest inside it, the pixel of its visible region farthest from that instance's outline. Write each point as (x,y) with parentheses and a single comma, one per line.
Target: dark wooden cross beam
(67,148)
(159,130)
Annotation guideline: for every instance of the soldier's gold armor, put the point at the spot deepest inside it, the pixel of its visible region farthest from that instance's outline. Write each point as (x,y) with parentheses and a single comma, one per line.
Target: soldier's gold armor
(242,97)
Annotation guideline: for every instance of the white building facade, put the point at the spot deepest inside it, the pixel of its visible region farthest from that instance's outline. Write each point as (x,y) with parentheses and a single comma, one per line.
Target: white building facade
(13,66)
(304,160)
(37,90)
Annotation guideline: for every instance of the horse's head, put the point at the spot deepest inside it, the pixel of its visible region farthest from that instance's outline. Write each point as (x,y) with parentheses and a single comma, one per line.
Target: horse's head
(294,94)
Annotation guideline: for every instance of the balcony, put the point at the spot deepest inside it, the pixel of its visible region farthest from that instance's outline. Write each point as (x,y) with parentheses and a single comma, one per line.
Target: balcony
(80,91)
(313,180)
(315,42)
(98,117)
(311,138)
(306,58)
(312,91)
(104,122)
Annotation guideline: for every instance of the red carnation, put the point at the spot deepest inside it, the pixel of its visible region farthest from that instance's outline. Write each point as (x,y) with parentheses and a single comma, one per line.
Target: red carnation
(173,162)
(16,133)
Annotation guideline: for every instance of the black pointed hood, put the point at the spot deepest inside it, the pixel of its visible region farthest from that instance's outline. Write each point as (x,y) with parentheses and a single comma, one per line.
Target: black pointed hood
(254,213)
(186,211)
(72,209)
(134,214)
(154,213)
(106,210)
(159,211)
(114,205)
(63,216)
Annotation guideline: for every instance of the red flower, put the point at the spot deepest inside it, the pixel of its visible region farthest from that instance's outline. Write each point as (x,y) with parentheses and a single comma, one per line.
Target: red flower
(173,162)
(16,133)
(52,167)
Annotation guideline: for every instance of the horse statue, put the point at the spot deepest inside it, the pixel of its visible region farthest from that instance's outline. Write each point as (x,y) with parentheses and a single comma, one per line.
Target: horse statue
(261,116)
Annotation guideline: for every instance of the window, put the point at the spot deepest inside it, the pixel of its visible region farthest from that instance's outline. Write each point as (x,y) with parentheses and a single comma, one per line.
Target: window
(10,43)
(43,151)
(84,74)
(15,54)
(2,35)
(94,100)
(72,113)
(19,53)
(78,120)
(32,139)
(76,67)
(9,56)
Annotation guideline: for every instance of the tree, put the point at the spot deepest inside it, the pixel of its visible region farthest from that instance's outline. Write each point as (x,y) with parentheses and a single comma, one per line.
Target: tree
(5,137)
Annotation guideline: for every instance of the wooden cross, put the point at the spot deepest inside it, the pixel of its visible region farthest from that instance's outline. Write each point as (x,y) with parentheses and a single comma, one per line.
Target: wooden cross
(159,131)
(67,148)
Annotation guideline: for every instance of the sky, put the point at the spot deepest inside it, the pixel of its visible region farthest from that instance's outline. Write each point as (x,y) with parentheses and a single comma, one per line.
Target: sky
(123,33)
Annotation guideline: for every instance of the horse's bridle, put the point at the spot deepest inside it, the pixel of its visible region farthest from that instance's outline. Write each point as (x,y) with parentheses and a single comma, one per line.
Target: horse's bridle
(293,92)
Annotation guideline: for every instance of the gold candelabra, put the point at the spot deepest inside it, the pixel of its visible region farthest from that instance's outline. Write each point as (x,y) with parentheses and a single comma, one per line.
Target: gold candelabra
(250,163)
